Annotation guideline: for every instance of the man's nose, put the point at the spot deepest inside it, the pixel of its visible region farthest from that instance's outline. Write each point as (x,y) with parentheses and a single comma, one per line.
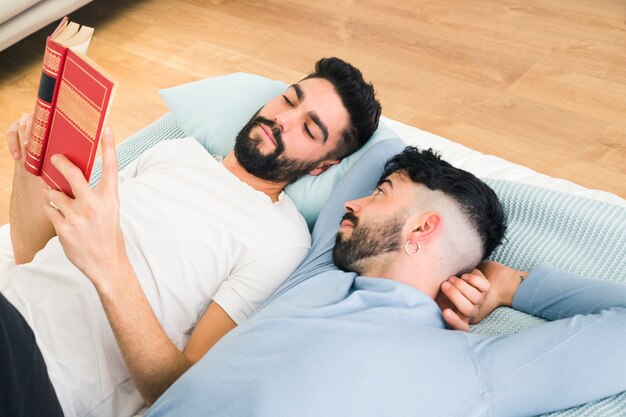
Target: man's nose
(355,206)
(286,119)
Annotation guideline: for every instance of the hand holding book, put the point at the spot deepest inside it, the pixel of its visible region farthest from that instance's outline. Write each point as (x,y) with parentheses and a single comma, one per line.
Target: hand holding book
(73,100)
(88,225)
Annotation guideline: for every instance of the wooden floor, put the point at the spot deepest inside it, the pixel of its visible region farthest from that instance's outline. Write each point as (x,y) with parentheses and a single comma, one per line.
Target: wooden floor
(538,82)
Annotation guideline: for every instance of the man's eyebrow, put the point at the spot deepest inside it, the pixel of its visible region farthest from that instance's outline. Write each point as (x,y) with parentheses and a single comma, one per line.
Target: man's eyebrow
(299,92)
(385,181)
(316,119)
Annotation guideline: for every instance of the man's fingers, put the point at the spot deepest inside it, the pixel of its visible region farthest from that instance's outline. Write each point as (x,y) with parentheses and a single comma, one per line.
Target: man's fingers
(54,216)
(109,159)
(25,124)
(29,128)
(21,128)
(13,141)
(72,174)
(468,291)
(58,200)
(477,280)
(18,135)
(454,321)
(458,299)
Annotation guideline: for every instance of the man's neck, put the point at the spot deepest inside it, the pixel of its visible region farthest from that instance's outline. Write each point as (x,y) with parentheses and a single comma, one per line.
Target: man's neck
(409,273)
(271,189)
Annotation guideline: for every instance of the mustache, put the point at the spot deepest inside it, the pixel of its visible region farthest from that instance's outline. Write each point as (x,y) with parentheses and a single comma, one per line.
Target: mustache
(351,217)
(260,120)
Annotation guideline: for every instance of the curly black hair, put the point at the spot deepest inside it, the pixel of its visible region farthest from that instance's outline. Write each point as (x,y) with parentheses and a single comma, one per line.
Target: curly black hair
(357,96)
(475,198)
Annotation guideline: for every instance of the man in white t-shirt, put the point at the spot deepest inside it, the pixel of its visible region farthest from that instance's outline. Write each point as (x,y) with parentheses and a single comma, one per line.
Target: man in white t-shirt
(127,285)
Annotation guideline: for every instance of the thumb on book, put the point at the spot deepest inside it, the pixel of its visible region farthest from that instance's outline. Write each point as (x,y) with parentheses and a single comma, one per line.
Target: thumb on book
(109,157)
(107,137)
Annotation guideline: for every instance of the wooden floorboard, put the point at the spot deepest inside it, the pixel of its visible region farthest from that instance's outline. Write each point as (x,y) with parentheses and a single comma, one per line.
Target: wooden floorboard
(537,82)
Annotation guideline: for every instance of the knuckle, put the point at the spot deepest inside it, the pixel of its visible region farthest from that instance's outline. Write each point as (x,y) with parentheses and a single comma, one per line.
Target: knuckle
(452,291)
(471,277)
(460,284)
(469,310)
(89,211)
(73,173)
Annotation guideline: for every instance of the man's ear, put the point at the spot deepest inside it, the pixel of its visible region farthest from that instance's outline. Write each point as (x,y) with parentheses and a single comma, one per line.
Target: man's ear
(424,226)
(323,166)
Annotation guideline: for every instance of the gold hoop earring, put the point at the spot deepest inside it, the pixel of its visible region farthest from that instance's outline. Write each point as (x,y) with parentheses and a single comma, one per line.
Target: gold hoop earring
(408,252)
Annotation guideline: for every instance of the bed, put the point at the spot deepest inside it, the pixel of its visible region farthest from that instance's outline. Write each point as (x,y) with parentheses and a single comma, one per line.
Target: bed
(560,214)
(581,230)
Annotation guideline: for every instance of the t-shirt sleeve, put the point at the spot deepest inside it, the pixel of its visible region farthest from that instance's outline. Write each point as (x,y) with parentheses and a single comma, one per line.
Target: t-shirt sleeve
(250,285)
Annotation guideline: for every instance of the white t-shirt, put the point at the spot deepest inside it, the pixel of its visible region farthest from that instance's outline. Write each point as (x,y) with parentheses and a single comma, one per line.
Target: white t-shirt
(194,233)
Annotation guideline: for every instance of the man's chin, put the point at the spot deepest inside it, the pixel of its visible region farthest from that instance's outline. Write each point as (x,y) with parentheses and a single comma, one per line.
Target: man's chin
(342,235)
(260,146)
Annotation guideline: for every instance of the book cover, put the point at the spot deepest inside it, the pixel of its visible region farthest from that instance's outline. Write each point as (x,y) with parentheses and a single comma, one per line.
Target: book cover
(71,106)
(82,102)
(52,65)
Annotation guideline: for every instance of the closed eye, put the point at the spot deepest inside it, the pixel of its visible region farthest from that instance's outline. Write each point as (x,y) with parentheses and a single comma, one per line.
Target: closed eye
(308,131)
(289,102)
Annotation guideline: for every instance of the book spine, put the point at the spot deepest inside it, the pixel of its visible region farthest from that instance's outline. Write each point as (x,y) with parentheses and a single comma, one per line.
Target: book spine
(53,61)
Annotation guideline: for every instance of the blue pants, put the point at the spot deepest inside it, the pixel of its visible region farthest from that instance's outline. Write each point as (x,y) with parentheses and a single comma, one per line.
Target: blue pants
(25,387)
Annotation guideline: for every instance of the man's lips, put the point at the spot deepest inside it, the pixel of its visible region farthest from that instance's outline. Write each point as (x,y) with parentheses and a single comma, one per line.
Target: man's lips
(268,133)
(345,224)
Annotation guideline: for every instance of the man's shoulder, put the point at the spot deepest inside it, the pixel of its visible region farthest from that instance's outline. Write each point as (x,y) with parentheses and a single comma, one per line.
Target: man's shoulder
(186,147)
(273,227)
(291,220)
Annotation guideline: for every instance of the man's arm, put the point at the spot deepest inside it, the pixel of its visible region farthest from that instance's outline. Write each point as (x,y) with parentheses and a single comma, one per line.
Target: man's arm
(552,295)
(89,230)
(30,228)
(154,362)
(213,325)
(562,363)
(556,294)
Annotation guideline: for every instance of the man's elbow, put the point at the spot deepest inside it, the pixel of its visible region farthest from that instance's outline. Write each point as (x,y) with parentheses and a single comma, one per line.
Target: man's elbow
(24,251)
(151,394)
(22,258)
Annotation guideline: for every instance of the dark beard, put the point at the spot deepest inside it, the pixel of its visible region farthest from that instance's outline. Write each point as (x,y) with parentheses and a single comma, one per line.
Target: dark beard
(366,241)
(273,167)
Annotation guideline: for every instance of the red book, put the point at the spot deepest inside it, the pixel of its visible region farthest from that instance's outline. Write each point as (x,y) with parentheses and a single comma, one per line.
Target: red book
(73,101)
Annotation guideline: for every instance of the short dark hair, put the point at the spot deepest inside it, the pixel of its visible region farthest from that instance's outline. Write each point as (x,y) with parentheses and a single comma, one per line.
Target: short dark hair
(357,96)
(475,198)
